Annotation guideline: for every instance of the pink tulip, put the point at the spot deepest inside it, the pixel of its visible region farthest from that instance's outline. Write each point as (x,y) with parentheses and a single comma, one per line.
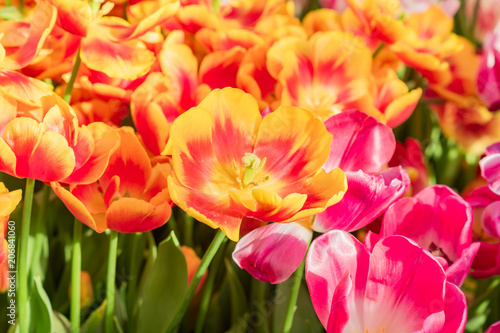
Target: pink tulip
(488,76)
(487,17)
(398,287)
(490,167)
(439,220)
(361,145)
(486,209)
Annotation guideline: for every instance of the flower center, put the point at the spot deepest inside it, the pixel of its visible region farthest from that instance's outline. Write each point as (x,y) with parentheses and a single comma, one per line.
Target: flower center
(252,164)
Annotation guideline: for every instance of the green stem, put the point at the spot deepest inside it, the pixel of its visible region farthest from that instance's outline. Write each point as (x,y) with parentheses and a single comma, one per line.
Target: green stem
(205,262)
(40,227)
(474,20)
(294,294)
(22,266)
(8,3)
(188,231)
(258,289)
(110,281)
(76,266)
(134,276)
(72,79)
(209,286)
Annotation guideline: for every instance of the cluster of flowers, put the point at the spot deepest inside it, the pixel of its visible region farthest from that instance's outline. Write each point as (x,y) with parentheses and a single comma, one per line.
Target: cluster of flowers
(268,128)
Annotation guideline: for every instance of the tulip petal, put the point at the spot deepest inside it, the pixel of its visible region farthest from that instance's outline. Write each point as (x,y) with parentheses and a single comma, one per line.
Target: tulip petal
(79,209)
(388,301)
(487,261)
(495,328)
(367,198)
(43,20)
(194,160)
(273,252)
(22,88)
(339,313)
(329,257)
(125,60)
(106,141)
(130,163)
(455,309)
(74,16)
(233,132)
(360,142)
(294,143)
(458,271)
(210,209)
(490,170)
(134,215)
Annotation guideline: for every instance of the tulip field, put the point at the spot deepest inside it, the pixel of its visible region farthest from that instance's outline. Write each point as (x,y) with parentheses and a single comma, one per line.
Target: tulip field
(252,166)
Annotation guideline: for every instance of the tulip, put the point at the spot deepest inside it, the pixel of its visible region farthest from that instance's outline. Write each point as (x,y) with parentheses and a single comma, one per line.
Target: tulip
(230,163)
(398,287)
(439,220)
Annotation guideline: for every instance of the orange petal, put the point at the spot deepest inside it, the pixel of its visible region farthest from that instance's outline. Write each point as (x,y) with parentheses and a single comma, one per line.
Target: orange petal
(236,119)
(22,88)
(130,163)
(401,108)
(9,200)
(125,60)
(294,143)
(77,207)
(105,141)
(44,18)
(134,215)
(218,69)
(165,9)
(194,160)
(74,16)
(210,209)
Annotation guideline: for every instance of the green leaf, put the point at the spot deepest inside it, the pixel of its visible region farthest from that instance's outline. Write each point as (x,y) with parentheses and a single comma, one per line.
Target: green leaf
(60,324)
(40,309)
(94,323)
(238,297)
(164,287)
(10,13)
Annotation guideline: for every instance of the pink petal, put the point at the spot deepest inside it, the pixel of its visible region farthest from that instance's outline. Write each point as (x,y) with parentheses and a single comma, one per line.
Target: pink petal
(339,313)
(457,272)
(329,257)
(360,142)
(368,196)
(487,261)
(495,328)
(491,219)
(490,170)
(273,252)
(455,309)
(405,286)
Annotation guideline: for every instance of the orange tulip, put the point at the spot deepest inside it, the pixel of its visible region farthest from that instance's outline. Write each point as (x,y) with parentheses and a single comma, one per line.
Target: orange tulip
(327,74)
(229,163)
(131,196)
(428,43)
(110,44)
(50,146)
